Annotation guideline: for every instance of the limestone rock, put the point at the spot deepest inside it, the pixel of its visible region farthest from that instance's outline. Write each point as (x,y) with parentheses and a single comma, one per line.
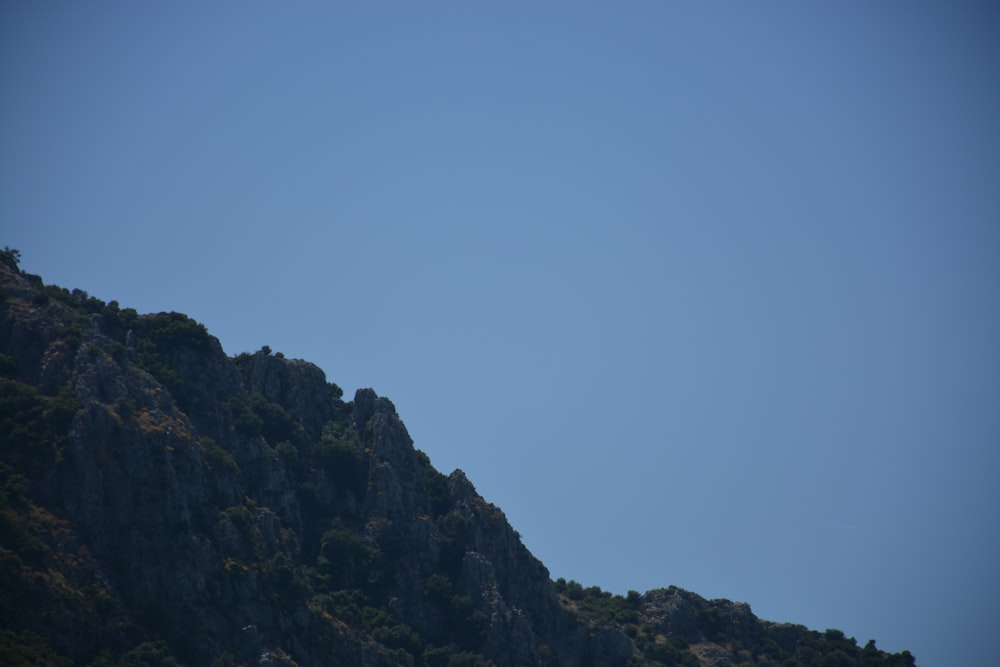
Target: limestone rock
(237,509)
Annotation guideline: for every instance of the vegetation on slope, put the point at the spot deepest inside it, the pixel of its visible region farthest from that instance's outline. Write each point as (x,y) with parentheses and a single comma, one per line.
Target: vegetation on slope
(163,505)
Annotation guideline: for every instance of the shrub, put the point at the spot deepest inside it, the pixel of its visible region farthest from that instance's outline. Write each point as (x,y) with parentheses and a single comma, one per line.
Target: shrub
(160,336)
(244,521)
(438,588)
(150,654)
(288,582)
(574,591)
(289,455)
(436,657)
(218,458)
(347,560)
(466,622)
(11,257)
(401,637)
(171,330)
(28,650)
(435,484)
(469,660)
(340,454)
(277,424)
(34,427)
(245,421)
(454,531)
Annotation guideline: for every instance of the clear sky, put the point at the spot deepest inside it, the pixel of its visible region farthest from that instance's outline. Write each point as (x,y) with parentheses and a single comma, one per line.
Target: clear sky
(698,293)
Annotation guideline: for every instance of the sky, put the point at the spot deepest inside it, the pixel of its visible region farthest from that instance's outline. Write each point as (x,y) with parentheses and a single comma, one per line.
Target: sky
(698,293)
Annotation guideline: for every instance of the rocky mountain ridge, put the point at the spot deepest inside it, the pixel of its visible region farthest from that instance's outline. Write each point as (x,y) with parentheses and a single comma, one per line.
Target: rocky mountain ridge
(162,503)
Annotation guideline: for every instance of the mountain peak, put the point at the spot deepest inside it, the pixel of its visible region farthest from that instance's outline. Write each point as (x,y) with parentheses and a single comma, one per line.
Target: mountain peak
(163,503)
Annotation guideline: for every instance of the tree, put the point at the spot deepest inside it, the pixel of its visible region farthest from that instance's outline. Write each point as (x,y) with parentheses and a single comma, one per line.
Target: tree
(11,257)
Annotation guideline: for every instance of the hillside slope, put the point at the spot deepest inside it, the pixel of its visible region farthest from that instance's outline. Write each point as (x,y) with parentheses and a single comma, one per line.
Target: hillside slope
(162,503)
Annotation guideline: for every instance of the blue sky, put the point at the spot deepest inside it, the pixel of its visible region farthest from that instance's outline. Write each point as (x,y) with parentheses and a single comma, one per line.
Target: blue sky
(701,294)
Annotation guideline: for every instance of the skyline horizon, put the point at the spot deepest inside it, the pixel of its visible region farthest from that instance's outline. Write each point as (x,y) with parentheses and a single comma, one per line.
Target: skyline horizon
(712,286)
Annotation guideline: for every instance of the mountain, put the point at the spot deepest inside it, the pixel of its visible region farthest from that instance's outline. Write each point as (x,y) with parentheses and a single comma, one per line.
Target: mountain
(164,504)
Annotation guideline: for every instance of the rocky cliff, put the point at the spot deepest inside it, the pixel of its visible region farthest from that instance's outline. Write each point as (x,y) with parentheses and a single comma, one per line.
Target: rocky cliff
(162,503)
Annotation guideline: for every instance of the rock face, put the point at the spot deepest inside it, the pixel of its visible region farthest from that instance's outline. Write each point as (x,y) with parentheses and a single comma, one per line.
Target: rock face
(161,500)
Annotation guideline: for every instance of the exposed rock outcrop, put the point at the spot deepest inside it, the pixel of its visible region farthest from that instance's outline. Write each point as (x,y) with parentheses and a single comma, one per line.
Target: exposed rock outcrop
(238,510)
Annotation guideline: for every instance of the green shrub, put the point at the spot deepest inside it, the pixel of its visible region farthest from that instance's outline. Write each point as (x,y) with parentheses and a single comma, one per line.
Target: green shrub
(11,257)
(27,649)
(34,427)
(160,336)
(245,420)
(288,581)
(15,537)
(401,637)
(574,591)
(276,423)
(219,459)
(244,521)
(466,622)
(13,487)
(167,331)
(150,654)
(469,660)
(340,454)
(454,531)
(438,588)
(435,484)
(289,455)
(348,561)
(436,657)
